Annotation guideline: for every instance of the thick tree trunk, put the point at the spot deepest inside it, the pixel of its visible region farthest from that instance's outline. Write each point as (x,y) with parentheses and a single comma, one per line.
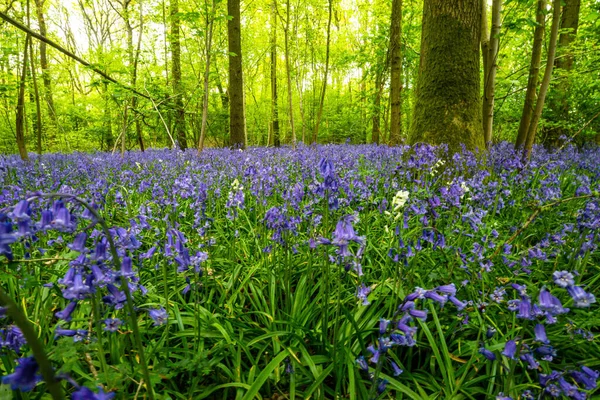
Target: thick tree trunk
(539,106)
(20,117)
(558,103)
(322,99)
(274,105)
(179,117)
(490,57)
(396,74)
(447,105)
(237,117)
(534,71)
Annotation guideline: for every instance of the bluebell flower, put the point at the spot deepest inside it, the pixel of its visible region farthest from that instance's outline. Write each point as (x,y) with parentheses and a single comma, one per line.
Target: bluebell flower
(553,390)
(65,314)
(586,377)
(362,363)
(419,314)
(530,360)
(383,325)
(25,376)
(158,315)
(375,354)
(487,354)
(112,324)
(460,305)
(563,278)
(501,396)
(447,289)
(79,243)
(546,352)
(84,393)
(581,298)
(540,334)
(382,385)
(490,332)
(525,309)
(510,348)
(12,338)
(396,369)
(362,294)
(550,303)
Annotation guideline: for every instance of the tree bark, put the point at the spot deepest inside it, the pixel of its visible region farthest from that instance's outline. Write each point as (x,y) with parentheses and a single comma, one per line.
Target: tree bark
(179,117)
(288,73)
(48,93)
(534,71)
(38,108)
(558,103)
(322,99)
(20,117)
(539,106)
(210,19)
(237,117)
(447,105)
(396,74)
(274,105)
(490,67)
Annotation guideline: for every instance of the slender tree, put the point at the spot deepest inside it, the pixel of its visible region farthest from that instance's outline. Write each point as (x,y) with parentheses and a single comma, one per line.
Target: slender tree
(447,105)
(558,100)
(20,116)
(210,19)
(490,57)
(396,74)
(325,75)
(179,118)
(274,105)
(288,73)
(237,117)
(534,71)
(48,93)
(539,105)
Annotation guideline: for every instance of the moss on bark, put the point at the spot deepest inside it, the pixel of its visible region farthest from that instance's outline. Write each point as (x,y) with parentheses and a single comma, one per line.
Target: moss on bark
(447,107)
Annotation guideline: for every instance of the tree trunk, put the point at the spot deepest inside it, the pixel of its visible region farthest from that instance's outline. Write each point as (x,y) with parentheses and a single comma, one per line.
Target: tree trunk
(490,67)
(288,72)
(48,94)
(210,19)
(534,71)
(237,117)
(20,118)
(396,74)
(376,117)
(447,105)
(558,103)
(539,106)
(38,108)
(179,117)
(274,110)
(322,100)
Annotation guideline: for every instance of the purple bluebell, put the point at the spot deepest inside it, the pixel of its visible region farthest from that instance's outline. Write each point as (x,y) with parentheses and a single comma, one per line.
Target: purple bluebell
(563,278)
(487,354)
(362,363)
(540,334)
(363,293)
(510,349)
(375,354)
(84,393)
(158,315)
(396,369)
(581,298)
(25,377)
(490,332)
(586,377)
(112,324)
(66,313)
(12,338)
(383,325)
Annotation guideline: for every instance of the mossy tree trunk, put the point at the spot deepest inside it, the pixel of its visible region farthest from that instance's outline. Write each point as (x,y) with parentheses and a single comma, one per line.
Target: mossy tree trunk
(534,72)
(396,74)
(447,107)
(558,104)
(237,118)
(179,118)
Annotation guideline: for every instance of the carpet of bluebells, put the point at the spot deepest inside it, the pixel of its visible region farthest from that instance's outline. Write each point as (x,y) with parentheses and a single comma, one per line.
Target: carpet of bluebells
(323,272)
